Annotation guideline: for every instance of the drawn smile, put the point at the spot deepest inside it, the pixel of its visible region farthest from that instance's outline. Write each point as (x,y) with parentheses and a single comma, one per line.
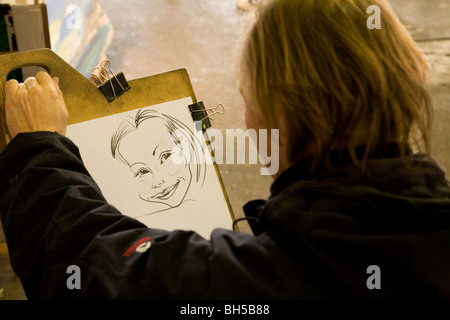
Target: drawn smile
(167,192)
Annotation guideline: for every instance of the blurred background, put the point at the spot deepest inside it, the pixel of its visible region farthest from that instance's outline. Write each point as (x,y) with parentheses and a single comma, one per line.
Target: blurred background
(142,38)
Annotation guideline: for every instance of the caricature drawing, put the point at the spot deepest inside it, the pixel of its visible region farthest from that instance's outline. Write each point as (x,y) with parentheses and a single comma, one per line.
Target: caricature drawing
(164,156)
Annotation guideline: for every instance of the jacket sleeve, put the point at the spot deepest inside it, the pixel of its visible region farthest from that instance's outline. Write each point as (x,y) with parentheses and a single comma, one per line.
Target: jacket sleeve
(54,216)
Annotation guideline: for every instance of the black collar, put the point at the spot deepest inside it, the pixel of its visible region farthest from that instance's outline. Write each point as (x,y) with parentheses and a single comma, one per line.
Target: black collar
(338,158)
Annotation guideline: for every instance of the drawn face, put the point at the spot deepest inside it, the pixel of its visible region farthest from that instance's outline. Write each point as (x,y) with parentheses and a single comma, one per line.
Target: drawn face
(149,155)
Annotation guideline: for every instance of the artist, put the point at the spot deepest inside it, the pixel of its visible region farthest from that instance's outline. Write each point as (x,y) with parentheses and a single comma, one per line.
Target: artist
(357,210)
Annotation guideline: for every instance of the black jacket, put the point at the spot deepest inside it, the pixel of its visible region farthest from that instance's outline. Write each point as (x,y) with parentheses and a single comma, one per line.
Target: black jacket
(315,237)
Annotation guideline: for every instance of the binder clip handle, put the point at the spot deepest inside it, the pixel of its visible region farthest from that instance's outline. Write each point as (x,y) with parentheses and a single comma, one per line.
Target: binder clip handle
(112,85)
(204,116)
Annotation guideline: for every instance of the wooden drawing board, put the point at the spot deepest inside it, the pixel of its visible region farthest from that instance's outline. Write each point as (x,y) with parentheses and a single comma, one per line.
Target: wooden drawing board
(86,102)
(83,99)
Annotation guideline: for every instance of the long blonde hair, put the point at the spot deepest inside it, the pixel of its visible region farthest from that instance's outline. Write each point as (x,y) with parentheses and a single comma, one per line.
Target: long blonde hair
(319,73)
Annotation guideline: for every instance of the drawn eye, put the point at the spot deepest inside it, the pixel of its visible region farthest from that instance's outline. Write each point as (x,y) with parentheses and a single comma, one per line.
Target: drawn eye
(141,172)
(165,156)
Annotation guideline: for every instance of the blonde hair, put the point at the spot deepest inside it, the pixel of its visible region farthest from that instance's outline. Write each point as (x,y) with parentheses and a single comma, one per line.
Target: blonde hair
(319,73)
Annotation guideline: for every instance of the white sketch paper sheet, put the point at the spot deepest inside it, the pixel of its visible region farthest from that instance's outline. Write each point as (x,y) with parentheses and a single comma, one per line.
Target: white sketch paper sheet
(139,160)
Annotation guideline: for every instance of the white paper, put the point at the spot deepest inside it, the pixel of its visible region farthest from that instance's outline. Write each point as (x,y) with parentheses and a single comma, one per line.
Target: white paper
(150,179)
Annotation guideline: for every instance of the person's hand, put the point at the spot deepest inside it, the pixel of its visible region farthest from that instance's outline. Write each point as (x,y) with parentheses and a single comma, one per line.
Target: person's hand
(35,105)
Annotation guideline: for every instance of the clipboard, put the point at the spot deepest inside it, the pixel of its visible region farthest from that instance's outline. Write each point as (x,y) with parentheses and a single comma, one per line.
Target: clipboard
(86,101)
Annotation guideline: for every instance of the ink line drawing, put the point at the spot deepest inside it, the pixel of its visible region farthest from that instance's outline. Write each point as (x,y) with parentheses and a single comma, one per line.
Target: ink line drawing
(167,146)
(165,167)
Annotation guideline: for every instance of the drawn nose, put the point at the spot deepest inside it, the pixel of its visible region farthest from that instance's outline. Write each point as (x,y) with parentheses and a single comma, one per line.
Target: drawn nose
(158,184)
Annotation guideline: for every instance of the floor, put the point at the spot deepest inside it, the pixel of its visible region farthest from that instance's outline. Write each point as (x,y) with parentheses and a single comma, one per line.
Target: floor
(204,37)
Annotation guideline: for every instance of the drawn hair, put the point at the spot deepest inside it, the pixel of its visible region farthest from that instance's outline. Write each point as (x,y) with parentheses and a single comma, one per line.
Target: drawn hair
(316,72)
(174,127)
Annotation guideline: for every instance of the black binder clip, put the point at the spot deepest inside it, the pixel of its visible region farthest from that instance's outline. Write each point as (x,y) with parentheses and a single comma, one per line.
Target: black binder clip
(203,116)
(112,85)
